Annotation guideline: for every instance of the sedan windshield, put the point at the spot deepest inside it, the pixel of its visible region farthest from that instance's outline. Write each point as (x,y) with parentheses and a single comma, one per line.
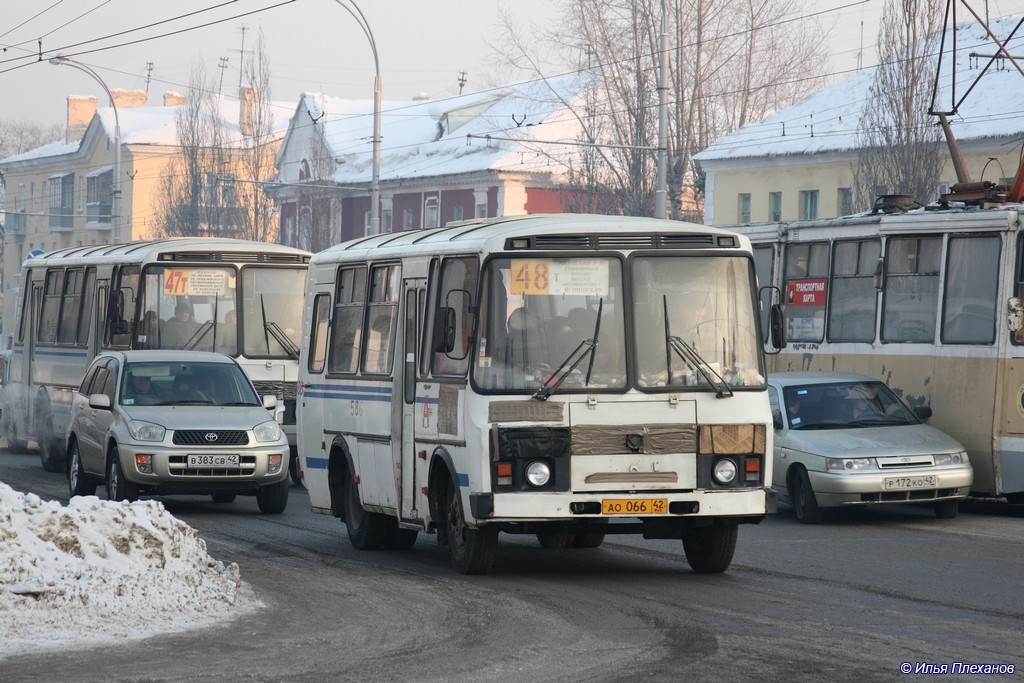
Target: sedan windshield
(845,405)
(217,384)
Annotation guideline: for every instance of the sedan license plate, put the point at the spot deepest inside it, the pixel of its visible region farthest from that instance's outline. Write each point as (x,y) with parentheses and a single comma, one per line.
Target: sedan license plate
(634,506)
(205,460)
(926,481)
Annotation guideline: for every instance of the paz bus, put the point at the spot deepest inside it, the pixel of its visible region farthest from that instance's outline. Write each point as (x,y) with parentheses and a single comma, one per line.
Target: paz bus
(563,376)
(210,294)
(930,301)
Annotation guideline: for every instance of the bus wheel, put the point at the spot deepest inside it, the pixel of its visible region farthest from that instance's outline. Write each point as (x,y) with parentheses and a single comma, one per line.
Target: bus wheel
(50,452)
(273,499)
(947,509)
(472,550)
(119,488)
(587,540)
(78,483)
(14,444)
(802,496)
(709,549)
(366,530)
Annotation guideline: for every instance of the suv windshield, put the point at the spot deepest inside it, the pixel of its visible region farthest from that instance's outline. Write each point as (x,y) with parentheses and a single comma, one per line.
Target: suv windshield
(218,384)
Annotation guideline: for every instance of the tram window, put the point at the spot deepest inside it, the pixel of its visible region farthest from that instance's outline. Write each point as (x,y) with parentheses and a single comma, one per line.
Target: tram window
(764,256)
(854,301)
(972,279)
(805,291)
(911,289)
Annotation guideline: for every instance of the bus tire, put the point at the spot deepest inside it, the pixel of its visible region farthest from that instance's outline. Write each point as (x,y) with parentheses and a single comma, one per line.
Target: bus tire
(472,550)
(947,509)
(78,483)
(119,488)
(14,444)
(366,530)
(587,540)
(273,499)
(709,549)
(51,454)
(802,497)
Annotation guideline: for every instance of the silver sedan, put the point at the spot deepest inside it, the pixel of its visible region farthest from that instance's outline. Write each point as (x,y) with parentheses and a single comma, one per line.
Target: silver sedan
(847,440)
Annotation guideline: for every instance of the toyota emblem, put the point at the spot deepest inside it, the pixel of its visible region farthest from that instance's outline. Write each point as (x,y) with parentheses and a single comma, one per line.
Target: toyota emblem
(211,436)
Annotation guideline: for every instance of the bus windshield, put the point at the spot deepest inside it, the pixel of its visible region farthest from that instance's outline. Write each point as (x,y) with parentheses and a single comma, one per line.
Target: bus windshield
(203,308)
(694,322)
(541,315)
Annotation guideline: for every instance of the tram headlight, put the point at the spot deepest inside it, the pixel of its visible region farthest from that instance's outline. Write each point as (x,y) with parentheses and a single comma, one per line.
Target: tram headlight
(724,471)
(538,473)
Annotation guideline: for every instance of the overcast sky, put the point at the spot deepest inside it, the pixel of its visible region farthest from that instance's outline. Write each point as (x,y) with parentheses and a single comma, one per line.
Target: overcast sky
(314,45)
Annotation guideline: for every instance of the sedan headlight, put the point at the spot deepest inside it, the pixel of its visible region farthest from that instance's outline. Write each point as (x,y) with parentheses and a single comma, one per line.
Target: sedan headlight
(146,431)
(850,464)
(951,458)
(267,431)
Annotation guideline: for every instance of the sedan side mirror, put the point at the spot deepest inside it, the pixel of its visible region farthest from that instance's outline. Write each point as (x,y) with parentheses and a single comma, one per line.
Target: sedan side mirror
(923,412)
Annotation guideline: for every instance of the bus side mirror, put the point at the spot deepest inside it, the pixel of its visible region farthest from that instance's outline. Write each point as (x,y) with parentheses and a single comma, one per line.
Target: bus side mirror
(444,330)
(777,324)
(1015,314)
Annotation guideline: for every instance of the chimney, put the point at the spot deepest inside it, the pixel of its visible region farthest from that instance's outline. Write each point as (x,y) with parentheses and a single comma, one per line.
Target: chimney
(129,99)
(246,102)
(173,99)
(81,109)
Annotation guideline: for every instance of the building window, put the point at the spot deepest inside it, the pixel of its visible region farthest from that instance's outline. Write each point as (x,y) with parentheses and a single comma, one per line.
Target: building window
(808,205)
(844,200)
(775,206)
(481,211)
(98,197)
(367,223)
(744,207)
(407,219)
(457,213)
(62,190)
(431,215)
(386,220)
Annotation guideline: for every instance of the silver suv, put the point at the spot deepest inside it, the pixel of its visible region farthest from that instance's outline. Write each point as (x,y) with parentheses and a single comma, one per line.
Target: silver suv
(175,422)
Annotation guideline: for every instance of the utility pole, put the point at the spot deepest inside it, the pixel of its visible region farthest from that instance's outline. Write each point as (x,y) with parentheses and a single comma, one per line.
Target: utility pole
(462,81)
(660,193)
(222,65)
(149,75)
(241,58)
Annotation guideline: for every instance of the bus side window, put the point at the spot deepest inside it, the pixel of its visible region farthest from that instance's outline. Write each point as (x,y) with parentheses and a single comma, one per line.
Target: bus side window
(317,358)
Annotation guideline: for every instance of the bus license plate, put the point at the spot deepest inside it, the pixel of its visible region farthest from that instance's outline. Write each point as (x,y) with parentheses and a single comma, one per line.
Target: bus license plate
(903,483)
(204,460)
(634,506)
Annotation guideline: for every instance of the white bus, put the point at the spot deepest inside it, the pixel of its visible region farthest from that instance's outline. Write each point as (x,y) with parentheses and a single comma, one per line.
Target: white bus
(566,376)
(232,296)
(928,301)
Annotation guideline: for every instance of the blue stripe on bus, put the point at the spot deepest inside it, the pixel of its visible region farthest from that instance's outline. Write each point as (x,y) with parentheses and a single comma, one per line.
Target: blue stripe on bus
(345,396)
(428,400)
(321,464)
(351,387)
(69,354)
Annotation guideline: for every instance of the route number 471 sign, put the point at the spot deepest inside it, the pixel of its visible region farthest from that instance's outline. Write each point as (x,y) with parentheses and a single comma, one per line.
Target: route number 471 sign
(583,277)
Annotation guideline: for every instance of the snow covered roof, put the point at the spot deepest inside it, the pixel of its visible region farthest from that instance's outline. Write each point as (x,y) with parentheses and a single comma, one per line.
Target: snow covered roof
(828,120)
(431,138)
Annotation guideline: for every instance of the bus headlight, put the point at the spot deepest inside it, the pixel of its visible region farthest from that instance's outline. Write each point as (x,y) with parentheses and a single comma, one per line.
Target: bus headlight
(538,473)
(724,471)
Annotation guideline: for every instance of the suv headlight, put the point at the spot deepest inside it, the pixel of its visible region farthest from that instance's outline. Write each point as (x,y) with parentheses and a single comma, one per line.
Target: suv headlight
(267,431)
(146,431)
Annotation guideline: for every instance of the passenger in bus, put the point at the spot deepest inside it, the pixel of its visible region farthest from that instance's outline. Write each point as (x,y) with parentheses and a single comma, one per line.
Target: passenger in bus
(227,333)
(151,330)
(176,331)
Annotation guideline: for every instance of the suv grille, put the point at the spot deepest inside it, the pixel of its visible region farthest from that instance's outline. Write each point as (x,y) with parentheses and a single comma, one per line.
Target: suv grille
(205,437)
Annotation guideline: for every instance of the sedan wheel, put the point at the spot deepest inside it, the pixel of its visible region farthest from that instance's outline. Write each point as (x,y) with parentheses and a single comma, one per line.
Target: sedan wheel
(802,497)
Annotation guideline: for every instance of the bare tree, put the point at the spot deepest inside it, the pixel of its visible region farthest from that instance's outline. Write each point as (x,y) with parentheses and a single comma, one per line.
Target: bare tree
(21,135)
(316,195)
(731,61)
(900,148)
(256,163)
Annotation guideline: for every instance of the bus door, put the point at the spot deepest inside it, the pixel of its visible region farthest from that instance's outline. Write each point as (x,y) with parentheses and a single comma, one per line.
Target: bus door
(410,468)
(23,396)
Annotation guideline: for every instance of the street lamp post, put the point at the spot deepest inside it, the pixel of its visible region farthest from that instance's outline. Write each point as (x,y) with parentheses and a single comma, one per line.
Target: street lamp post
(116,192)
(360,18)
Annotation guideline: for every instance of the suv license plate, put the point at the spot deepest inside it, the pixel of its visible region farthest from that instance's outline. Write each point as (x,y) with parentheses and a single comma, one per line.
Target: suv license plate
(201,461)
(634,506)
(903,483)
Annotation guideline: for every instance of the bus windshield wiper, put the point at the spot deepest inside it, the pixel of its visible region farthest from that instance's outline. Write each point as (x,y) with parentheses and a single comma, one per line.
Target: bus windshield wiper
(692,358)
(281,338)
(585,347)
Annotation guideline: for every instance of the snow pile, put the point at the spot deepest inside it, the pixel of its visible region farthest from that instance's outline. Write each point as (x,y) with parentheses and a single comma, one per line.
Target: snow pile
(98,571)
